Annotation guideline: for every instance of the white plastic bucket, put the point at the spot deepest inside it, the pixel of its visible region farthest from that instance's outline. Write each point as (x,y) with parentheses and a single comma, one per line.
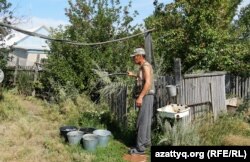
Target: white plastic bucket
(103,137)
(90,142)
(171,89)
(74,137)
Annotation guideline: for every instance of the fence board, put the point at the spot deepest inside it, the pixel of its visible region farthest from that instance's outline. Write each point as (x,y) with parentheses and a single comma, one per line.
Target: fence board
(238,86)
(205,89)
(202,92)
(118,104)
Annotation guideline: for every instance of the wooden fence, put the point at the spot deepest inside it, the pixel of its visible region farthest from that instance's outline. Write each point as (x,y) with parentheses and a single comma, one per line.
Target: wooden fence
(13,72)
(204,93)
(161,97)
(201,92)
(22,76)
(118,104)
(237,86)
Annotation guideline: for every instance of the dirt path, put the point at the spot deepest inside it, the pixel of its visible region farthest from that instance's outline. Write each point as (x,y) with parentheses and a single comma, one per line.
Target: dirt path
(30,137)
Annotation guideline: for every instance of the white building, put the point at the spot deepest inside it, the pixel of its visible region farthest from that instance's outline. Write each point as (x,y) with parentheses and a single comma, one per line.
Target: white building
(27,49)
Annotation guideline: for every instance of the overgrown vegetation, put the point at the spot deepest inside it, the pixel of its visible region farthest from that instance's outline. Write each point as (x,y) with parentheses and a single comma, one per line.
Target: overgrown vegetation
(25,83)
(9,110)
(225,126)
(203,34)
(92,21)
(36,123)
(5,17)
(203,131)
(179,134)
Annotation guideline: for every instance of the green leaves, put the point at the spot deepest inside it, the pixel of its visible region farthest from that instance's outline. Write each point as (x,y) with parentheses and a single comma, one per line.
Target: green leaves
(92,21)
(5,16)
(200,33)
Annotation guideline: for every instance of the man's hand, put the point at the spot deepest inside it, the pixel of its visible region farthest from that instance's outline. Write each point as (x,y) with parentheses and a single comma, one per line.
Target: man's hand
(131,74)
(139,102)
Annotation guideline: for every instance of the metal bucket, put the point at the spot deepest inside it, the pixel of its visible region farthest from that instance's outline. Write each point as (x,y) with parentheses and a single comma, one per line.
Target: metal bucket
(74,137)
(66,129)
(103,137)
(171,89)
(90,142)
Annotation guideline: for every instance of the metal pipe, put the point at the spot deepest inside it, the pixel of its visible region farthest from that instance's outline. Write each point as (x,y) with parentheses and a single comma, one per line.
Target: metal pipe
(117,74)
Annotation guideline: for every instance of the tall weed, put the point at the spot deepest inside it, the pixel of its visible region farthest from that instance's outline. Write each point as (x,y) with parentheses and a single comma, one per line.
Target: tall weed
(24,83)
(179,134)
(9,110)
(224,126)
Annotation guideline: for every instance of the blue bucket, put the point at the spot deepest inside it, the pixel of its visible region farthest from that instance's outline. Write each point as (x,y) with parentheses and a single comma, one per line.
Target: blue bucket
(103,137)
(89,142)
(74,137)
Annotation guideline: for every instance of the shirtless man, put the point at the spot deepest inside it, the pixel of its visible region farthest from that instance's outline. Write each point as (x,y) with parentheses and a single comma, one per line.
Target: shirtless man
(144,100)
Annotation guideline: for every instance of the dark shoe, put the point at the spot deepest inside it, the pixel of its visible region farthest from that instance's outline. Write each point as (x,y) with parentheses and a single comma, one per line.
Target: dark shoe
(134,151)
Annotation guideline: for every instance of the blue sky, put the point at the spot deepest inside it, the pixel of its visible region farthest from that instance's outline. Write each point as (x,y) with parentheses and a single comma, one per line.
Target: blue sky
(33,13)
(52,12)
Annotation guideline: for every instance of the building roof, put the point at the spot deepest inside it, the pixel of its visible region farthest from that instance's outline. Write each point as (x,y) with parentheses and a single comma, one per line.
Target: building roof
(23,41)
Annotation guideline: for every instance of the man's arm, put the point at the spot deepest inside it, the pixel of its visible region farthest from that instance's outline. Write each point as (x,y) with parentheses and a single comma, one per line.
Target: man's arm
(131,74)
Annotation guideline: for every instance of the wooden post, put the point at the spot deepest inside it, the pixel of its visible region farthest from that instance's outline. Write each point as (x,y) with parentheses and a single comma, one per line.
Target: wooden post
(212,98)
(36,73)
(178,78)
(16,69)
(125,108)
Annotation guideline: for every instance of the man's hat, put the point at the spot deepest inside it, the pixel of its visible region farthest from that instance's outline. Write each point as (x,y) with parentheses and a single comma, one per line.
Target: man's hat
(138,51)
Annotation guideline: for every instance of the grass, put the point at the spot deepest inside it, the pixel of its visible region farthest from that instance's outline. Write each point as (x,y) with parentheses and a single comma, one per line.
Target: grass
(9,110)
(228,129)
(30,131)
(236,140)
(226,126)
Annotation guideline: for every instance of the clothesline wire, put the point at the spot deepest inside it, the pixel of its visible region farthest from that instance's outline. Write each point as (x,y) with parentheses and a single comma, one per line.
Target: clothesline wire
(68,41)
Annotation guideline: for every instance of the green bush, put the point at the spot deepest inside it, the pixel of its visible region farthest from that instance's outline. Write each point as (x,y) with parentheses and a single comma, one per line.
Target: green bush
(59,93)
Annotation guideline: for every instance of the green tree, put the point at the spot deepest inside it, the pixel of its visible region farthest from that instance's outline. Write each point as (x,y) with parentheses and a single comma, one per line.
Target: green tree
(5,17)
(198,32)
(242,24)
(241,30)
(92,21)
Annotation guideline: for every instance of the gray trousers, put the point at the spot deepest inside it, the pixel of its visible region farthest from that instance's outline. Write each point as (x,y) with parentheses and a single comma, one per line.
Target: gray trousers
(144,122)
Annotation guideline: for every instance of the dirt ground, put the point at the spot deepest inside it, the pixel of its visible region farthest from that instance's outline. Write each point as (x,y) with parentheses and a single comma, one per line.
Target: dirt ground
(135,158)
